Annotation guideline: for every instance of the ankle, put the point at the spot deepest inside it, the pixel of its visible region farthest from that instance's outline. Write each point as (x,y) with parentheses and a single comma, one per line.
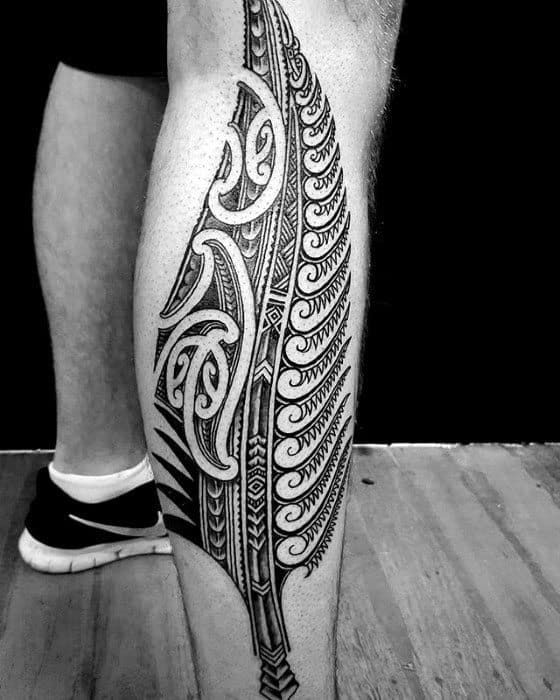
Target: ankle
(98,462)
(95,488)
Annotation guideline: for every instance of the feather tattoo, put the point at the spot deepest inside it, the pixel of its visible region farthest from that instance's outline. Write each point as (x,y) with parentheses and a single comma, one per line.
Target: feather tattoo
(251,364)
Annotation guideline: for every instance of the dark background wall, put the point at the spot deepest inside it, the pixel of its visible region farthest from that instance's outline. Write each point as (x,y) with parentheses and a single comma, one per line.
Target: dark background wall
(463,305)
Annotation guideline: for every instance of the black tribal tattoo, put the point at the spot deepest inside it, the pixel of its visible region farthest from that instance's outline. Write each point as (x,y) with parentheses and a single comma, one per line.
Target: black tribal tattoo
(251,361)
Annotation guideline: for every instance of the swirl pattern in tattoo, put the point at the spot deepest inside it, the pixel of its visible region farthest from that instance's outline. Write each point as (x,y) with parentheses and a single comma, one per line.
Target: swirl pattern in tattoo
(252,370)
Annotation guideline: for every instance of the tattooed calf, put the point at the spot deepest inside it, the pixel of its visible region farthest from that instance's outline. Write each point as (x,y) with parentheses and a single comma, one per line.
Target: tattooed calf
(251,361)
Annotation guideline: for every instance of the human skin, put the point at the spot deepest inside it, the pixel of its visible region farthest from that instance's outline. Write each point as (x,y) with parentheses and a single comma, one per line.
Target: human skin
(93,161)
(254,174)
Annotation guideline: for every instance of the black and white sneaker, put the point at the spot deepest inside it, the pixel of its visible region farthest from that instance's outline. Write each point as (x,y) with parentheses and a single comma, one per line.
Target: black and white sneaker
(63,535)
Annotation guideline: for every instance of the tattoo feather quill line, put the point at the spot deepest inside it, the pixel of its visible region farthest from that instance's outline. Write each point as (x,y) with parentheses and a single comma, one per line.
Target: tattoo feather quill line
(251,365)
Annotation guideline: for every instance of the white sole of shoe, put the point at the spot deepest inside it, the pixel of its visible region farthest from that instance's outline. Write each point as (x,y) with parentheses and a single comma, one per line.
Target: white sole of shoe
(52,560)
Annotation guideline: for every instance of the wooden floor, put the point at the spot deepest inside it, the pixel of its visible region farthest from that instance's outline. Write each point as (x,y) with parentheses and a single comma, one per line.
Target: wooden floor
(450,589)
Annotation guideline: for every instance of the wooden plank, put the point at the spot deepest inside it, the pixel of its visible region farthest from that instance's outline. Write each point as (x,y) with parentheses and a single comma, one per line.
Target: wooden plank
(503,612)
(17,478)
(456,654)
(542,463)
(554,447)
(375,656)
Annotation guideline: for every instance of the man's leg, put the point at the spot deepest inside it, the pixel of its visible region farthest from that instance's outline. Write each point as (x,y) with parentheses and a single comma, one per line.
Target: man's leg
(250,292)
(95,152)
(97,501)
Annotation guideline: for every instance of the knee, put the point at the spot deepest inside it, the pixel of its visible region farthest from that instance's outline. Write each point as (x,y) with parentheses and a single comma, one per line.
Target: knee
(369,26)
(206,36)
(365,13)
(203,36)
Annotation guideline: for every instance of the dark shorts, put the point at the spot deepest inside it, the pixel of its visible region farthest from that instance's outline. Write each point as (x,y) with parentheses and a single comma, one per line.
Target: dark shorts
(113,37)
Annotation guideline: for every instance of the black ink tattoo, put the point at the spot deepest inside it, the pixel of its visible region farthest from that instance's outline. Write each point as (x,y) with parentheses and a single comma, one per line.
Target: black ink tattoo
(251,364)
